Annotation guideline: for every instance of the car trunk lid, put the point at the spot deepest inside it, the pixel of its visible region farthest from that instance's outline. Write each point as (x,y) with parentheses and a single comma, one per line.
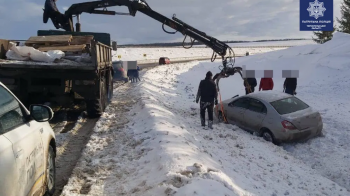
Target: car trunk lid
(303,119)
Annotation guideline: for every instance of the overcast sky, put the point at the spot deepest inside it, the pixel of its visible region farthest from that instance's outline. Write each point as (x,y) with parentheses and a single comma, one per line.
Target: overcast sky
(222,19)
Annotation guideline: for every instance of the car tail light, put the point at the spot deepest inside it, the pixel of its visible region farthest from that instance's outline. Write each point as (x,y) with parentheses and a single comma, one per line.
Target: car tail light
(121,69)
(288,125)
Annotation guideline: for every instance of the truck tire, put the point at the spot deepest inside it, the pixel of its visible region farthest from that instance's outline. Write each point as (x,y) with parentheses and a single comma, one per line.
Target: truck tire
(96,107)
(110,88)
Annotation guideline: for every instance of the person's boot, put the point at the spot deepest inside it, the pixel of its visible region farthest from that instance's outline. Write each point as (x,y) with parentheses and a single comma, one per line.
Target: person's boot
(203,122)
(210,124)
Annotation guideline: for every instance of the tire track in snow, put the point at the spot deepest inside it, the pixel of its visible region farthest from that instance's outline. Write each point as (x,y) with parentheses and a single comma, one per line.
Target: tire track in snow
(109,156)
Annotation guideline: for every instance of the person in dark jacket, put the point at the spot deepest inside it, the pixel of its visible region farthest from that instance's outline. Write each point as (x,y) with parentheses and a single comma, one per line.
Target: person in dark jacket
(266,84)
(290,85)
(54,14)
(137,74)
(208,96)
(131,75)
(251,83)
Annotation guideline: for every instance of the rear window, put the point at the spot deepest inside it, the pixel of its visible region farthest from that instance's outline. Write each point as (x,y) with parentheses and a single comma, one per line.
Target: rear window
(289,105)
(117,65)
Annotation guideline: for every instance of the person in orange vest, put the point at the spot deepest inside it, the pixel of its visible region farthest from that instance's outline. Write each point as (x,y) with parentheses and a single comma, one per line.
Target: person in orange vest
(266,84)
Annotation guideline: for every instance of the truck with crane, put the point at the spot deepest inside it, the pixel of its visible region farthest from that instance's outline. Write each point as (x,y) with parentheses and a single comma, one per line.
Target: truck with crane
(93,82)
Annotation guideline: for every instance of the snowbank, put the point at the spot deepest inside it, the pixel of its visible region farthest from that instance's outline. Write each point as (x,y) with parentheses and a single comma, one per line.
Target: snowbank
(324,80)
(164,151)
(159,148)
(184,159)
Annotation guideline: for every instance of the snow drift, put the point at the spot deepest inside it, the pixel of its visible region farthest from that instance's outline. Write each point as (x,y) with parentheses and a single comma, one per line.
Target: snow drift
(162,150)
(324,80)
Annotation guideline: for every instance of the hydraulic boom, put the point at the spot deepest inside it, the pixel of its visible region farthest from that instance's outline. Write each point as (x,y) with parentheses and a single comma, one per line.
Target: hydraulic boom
(219,47)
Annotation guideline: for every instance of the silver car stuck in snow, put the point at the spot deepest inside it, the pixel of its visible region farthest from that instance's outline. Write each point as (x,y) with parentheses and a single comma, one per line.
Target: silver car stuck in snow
(276,116)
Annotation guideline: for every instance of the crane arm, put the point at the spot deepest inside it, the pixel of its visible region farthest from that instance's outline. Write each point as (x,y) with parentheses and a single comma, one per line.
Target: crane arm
(218,46)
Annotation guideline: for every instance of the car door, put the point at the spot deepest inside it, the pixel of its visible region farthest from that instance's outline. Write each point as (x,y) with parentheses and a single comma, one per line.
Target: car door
(236,111)
(25,136)
(254,115)
(8,168)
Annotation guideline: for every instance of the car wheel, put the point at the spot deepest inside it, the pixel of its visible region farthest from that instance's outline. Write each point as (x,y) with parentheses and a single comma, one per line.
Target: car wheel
(267,135)
(50,172)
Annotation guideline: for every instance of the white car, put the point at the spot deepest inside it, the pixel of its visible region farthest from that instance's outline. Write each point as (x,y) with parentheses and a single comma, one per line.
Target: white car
(27,148)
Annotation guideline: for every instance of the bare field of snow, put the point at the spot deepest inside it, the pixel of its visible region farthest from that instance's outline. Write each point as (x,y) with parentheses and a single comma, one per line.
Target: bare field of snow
(133,54)
(272,43)
(276,43)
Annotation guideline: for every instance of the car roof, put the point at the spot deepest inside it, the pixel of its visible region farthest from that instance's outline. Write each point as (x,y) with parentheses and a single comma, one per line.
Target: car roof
(269,96)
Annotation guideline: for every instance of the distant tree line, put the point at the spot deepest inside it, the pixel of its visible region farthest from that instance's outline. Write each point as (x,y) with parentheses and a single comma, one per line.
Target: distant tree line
(199,43)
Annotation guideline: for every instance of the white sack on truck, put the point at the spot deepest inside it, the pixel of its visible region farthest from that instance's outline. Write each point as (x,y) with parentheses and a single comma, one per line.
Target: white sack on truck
(25,53)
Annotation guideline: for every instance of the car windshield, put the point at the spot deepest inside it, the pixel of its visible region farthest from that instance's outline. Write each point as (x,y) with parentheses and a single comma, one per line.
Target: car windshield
(6,101)
(289,105)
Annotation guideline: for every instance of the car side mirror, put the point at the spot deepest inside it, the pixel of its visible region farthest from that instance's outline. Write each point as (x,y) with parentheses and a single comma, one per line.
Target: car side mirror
(41,113)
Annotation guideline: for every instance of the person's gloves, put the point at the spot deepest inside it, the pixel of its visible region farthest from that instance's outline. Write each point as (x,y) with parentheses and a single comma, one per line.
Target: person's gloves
(216,102)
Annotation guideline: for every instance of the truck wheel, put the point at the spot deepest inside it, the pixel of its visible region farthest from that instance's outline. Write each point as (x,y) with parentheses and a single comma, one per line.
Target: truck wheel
(96,107)
(110,88)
